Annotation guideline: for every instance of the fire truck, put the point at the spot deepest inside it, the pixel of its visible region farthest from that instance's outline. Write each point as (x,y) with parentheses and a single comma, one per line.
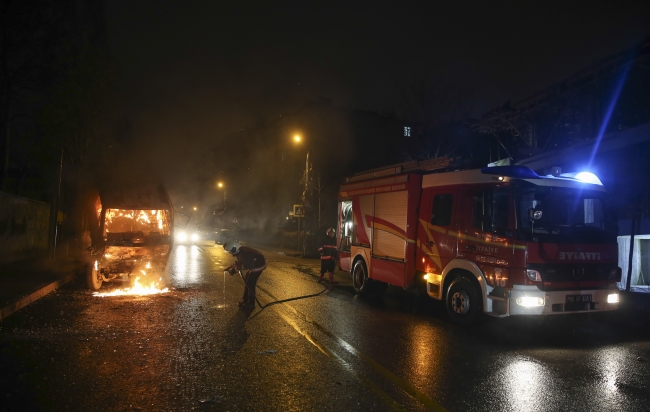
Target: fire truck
(500,241)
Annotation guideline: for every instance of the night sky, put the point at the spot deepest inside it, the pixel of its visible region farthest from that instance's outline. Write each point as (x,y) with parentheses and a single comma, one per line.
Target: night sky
(195,71)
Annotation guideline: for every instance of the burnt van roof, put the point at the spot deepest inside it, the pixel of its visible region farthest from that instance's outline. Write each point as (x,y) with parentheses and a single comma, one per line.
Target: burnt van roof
(135,196)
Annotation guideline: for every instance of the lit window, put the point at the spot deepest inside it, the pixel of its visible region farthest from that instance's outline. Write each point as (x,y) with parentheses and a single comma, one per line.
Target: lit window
(407,131)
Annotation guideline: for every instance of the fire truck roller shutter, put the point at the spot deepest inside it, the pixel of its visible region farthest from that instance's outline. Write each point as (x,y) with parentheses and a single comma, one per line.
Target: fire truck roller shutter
(389,228)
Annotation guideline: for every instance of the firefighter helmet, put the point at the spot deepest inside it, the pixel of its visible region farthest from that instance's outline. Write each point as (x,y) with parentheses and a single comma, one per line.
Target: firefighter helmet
(232,247)
(330,229)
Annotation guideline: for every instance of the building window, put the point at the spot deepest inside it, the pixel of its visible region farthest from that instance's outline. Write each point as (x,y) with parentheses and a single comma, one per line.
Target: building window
(640,279)
(407,131)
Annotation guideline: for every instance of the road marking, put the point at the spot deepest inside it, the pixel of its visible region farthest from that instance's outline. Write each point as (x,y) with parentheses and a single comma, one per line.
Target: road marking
(393,404)
(399,382)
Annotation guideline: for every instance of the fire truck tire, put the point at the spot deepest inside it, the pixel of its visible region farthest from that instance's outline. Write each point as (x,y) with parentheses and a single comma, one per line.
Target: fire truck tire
(360,280)
(462,302)
(94,278)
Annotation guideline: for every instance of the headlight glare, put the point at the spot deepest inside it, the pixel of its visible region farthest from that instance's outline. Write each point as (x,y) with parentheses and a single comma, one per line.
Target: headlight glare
(530,301)
(612,298)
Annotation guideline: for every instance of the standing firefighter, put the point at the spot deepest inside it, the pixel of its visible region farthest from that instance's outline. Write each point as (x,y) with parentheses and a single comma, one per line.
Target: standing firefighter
(249,260)
(328,254)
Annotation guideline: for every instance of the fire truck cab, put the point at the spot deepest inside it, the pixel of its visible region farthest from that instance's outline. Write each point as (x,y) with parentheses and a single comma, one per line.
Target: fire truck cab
(501,241)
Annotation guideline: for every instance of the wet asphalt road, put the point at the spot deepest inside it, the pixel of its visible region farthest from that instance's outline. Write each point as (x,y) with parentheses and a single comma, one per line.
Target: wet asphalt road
(193,349)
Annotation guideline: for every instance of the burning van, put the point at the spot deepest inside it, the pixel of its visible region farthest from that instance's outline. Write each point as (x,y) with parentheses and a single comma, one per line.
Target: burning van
(131,230)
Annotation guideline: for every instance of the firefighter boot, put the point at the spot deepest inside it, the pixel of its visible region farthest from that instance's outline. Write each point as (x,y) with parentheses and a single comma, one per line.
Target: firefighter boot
(332,281)
(321,277)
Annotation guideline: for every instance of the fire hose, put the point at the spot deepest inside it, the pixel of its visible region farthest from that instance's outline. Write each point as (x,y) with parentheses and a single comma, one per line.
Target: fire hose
(262,307)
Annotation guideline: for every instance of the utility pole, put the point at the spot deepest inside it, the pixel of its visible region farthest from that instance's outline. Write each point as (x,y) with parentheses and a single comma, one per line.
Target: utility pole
(304,207)
(56,208)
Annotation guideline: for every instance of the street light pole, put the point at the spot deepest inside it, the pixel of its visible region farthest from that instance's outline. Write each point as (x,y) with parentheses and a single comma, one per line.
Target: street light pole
(304,193)
(298,139)
(221,185)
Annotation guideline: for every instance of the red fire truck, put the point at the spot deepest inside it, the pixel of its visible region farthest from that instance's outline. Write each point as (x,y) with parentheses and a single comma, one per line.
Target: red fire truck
(501,240)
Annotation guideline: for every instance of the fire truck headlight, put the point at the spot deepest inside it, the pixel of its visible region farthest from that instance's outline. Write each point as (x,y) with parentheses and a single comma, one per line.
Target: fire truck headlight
(181,236)
(612,298)
(534,275)
(195,237)
(529,301)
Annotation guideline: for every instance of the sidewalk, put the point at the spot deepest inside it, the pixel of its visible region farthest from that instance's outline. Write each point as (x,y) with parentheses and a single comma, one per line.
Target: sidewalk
(21,283)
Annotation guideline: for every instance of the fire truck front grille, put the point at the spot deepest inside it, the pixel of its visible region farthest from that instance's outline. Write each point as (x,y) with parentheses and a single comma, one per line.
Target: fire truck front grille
(573,272)
(573,307)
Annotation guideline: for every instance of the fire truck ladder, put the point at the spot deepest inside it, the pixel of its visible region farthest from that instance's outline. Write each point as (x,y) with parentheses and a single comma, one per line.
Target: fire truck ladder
(428,165)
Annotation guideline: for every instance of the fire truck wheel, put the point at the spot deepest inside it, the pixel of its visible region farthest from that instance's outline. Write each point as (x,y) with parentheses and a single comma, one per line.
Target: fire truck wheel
(462,302)
(94,278)
(360,280)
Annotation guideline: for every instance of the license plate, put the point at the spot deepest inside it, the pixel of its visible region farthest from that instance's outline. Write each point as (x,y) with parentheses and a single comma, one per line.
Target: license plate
(578,298)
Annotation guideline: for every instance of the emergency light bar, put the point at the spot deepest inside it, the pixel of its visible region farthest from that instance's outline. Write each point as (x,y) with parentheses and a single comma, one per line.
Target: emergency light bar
(584,177)
(516,171)
(523,172)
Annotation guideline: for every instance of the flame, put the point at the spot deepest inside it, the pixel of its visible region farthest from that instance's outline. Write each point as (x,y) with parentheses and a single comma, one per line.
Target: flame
(143,217)
(157,217)
(136,289)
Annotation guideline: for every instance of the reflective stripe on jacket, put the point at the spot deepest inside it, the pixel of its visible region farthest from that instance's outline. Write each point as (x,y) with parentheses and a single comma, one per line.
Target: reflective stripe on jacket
(327,248)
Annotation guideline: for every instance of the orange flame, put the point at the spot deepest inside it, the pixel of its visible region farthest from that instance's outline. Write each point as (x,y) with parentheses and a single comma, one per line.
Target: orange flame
(136,289)
(140,216)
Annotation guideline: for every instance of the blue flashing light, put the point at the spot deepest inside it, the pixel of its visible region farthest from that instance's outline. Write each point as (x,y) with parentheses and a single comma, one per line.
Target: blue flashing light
(588,177)
(516,171)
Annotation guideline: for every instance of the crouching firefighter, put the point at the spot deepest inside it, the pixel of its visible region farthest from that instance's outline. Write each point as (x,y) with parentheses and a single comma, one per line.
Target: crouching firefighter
(328,254)
(249,261)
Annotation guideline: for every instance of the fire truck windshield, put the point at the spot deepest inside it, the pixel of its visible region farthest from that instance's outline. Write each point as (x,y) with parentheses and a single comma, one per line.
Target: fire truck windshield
(563,215)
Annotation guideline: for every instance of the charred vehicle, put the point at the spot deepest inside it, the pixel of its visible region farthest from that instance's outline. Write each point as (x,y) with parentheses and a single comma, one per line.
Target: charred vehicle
(131,230)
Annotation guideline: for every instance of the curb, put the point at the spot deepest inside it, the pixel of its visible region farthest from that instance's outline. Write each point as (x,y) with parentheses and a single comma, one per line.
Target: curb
(34,296)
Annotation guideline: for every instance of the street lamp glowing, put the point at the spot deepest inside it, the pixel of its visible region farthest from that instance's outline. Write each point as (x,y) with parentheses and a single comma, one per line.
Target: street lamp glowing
(297,138)
(194,207)
(220,184)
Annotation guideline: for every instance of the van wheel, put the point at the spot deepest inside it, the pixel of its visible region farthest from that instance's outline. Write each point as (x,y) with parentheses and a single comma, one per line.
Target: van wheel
(462,302)
(93,277)
(360,280)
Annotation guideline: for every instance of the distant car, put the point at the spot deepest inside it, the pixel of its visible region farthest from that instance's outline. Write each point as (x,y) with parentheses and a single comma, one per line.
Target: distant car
(186,236)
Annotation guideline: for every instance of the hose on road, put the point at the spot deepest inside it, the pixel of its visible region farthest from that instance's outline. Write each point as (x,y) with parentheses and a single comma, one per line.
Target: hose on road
(275,302)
